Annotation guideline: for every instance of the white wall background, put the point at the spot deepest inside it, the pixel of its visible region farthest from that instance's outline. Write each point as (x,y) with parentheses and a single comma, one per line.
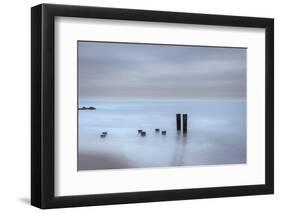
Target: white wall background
(15,105)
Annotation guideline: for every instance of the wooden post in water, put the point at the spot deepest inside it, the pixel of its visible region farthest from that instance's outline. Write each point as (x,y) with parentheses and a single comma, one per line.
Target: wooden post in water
(178,122)
(184,123)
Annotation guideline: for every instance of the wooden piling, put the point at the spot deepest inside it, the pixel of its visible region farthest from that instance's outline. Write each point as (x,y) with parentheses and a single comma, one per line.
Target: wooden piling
(178,116)
(143,133)
(184,123)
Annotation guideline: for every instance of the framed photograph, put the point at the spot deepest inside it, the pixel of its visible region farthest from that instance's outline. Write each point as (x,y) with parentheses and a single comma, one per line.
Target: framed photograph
(139,106)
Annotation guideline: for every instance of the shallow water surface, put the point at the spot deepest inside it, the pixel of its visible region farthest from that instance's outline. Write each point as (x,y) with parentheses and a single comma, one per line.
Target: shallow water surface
(216,134)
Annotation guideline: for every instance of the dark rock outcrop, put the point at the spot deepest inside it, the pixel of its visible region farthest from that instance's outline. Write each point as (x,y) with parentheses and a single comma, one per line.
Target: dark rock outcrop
(87,108)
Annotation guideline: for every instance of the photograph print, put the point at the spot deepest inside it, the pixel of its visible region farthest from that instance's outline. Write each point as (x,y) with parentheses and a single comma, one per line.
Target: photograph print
(160,105)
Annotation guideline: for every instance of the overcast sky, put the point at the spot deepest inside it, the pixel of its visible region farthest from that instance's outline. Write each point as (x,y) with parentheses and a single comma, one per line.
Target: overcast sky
(140,71)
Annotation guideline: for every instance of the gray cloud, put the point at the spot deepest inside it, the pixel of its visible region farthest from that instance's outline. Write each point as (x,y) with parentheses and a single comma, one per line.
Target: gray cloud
(121,70)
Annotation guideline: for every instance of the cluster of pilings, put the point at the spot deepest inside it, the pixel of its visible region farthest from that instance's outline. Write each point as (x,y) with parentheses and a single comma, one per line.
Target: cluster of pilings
(184,122)
(103,134)
(141,132)
(181,120)
(157,130)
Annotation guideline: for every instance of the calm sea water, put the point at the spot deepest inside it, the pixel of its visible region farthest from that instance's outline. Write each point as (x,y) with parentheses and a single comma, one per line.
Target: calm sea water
(216,134)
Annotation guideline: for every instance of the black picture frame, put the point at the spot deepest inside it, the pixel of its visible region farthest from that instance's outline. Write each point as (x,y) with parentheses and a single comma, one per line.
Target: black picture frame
(43,101)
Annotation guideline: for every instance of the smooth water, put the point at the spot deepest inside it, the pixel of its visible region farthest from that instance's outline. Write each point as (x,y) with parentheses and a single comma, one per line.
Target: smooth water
(216,134)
